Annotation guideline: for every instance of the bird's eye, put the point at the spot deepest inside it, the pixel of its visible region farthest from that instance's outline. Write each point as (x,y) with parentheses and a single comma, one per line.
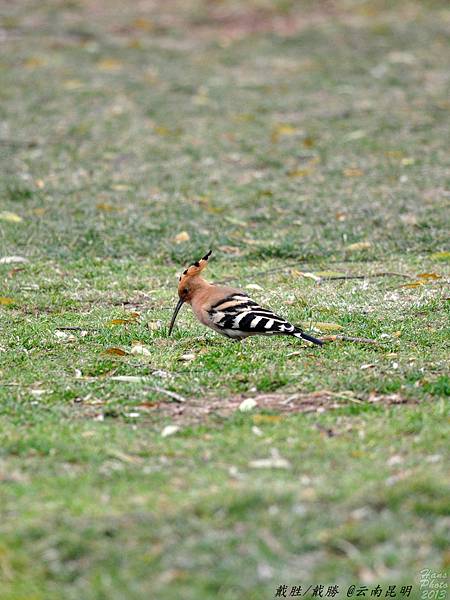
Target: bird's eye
(186,290)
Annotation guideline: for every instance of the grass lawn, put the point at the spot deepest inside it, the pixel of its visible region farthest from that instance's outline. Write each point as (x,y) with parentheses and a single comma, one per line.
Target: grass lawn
(306,143)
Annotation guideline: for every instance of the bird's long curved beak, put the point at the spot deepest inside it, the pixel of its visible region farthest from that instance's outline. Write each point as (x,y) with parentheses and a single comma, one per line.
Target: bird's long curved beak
(175,313)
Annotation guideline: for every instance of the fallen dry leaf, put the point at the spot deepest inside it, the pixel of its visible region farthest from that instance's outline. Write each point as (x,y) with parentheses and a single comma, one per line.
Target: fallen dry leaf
(138,348)
(169,430)
(359,246)
(414,284)
(164,131)
(143,24)
(5,301)
(34,62)
(409,219)
(63,336)
(300,173)
(443,256)
(257,431)
(283,130)
(113,351)
(358,134)
(394,153)
(109,64)
(353,172)
(308,493)
(429,276)
(72,84)
(215,210)
(11,217)
(120,321)
(161,130)
(183,236)
(106,207)
(13,272)
(39,211)
(7,260)
(306,170)
(201,99)
(38,393)
(121,187)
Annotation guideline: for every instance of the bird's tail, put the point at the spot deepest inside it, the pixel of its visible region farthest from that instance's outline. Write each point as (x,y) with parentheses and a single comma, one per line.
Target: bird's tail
(310,338)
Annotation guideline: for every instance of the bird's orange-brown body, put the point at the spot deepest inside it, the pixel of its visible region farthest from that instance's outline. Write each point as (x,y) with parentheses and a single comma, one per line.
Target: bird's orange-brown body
(227,310)
(206,297)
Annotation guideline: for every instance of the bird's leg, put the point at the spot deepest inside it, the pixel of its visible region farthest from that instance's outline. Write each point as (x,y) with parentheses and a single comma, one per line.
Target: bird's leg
(241,351)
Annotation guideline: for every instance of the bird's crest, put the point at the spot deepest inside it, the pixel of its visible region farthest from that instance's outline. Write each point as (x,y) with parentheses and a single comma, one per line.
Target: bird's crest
(196,268)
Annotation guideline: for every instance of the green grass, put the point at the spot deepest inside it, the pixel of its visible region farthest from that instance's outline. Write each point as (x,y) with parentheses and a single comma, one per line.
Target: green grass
(279,134)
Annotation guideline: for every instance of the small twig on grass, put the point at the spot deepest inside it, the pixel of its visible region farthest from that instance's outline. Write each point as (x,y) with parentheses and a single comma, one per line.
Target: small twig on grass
(175,397)
(325,278)
(290,398)
(347,338)
(381,274)
(155,388)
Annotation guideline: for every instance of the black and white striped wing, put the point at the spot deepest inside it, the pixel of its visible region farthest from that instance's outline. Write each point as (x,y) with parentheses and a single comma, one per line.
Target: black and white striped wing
(239,316)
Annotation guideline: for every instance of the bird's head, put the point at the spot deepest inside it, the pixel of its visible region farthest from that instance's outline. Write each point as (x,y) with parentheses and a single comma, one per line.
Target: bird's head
(189,282)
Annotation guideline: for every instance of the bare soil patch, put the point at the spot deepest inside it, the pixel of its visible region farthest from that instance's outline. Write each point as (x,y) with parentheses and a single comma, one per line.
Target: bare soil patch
(269,406)
(197,410)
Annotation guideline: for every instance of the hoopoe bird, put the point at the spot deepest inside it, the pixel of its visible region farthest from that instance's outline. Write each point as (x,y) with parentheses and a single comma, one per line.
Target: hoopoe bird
(229,311)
